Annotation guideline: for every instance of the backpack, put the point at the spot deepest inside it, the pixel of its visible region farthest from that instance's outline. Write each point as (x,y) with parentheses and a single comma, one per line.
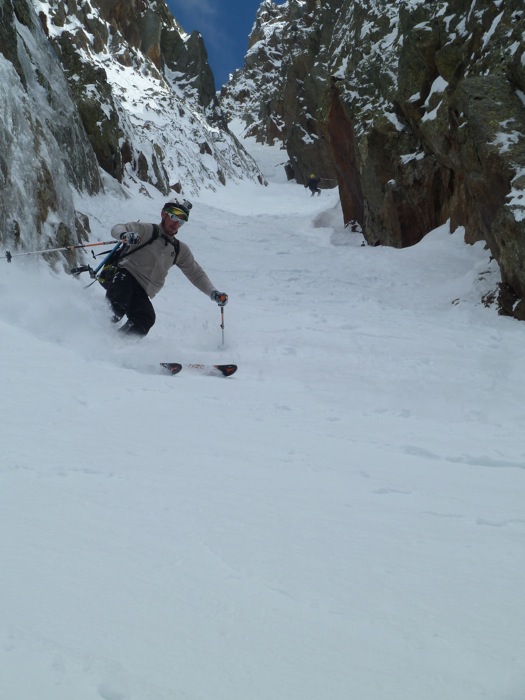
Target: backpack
(110,268)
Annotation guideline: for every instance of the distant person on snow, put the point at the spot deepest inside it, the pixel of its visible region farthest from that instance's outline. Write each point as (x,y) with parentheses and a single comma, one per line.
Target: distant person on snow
(141,269)
(313,184)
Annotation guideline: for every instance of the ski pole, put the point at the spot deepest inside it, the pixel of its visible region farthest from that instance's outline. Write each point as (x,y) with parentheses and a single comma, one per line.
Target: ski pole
(9,256)
(115,248)
(222,324)
(88,268)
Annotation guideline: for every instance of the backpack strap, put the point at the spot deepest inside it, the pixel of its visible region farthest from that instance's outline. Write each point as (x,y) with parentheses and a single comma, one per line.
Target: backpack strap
(168,241)
(176,245)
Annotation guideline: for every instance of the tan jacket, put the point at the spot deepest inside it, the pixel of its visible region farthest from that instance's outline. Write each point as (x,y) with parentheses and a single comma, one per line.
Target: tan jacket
(150,265)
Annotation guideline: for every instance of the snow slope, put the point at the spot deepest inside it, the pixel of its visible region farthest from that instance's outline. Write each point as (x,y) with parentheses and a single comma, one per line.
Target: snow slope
(343,518)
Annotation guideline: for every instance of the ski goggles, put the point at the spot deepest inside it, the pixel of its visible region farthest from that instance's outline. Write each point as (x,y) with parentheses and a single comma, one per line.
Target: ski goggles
(176,214)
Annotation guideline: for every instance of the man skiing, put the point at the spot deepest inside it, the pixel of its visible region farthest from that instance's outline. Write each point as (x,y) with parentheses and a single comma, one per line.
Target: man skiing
(141,270)
(313,184)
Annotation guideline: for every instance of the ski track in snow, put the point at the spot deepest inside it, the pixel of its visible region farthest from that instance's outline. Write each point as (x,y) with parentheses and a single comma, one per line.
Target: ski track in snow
(343,518)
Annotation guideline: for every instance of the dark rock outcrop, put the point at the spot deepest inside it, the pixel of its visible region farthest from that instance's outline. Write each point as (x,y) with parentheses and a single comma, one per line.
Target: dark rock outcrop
(418,110)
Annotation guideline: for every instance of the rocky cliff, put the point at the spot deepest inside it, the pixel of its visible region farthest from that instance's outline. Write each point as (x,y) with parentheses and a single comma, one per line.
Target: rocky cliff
(44,151)
(98,89)
(416,108)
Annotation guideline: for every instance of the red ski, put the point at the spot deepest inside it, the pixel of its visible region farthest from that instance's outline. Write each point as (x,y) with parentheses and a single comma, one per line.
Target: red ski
(224,370)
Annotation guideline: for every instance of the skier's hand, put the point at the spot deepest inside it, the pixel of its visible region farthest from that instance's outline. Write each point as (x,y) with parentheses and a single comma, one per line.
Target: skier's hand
(220,297)
(130,238)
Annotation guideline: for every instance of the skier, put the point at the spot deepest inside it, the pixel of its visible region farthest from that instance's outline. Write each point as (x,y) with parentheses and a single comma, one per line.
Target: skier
(140,271)
(313,184)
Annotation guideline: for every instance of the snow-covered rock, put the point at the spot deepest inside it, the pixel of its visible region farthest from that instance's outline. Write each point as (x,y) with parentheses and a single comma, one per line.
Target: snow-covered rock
(416,108)
(90,86)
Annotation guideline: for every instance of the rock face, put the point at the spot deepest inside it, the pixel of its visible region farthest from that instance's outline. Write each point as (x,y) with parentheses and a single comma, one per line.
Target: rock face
(88,86)
(142,87)
(416,108)
(150,29)
(44,150)
(276,90)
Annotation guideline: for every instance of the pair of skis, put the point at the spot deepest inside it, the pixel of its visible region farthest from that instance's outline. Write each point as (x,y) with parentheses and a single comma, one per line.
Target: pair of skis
(219,370)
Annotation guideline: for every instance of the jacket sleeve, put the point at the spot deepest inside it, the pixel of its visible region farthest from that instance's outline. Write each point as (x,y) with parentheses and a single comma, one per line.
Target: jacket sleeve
(193,271)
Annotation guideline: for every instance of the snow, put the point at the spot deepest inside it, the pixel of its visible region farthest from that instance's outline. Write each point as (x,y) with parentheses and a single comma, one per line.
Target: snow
(488,35)
(394,120)
(343,518)
(430,116)
(438,86)
(516,195)
(504,141)
(408,157)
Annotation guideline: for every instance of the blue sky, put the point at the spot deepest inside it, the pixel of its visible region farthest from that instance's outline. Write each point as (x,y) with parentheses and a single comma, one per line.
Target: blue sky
(225,26)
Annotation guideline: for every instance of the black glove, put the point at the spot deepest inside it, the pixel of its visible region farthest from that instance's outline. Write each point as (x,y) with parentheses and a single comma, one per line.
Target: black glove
(220,297)
(130,238)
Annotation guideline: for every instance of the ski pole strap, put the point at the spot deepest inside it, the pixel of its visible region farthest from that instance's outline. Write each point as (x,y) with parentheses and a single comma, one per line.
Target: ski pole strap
(82,268)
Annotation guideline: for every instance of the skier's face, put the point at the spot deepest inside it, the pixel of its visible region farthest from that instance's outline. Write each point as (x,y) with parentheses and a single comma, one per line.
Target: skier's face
(170,226)
(173,218)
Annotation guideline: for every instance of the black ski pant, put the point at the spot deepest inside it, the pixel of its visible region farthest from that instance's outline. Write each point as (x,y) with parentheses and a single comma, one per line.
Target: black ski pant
(127,298)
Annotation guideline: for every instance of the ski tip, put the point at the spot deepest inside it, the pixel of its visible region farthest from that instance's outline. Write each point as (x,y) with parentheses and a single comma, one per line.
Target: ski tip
(172,367)
(227,370)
